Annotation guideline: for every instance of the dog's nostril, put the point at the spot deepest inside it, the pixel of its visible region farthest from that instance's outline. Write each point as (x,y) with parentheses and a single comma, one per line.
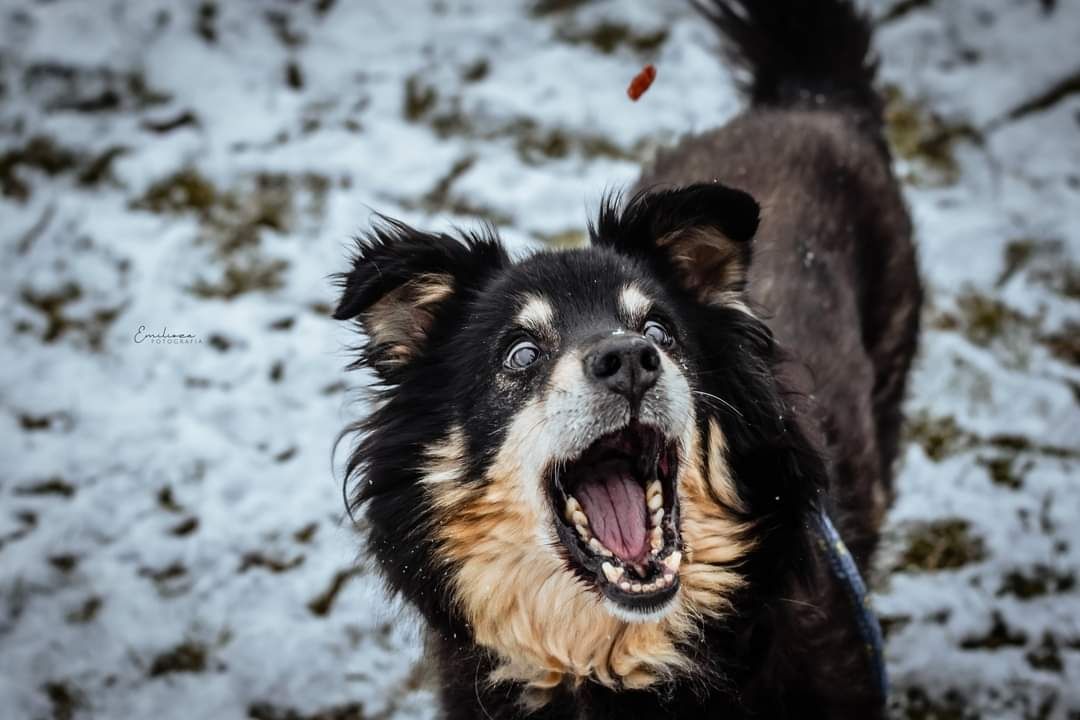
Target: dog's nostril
(607,365)
(650,359)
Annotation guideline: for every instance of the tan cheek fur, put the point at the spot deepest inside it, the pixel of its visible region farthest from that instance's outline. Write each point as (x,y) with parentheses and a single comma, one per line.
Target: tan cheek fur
(547,627)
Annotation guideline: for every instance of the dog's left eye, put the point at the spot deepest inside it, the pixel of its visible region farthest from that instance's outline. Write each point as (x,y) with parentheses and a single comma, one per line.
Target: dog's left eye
(522,355)
(658,334)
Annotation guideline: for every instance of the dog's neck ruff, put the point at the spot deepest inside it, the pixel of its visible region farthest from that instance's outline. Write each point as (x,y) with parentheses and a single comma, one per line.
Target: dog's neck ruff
(845,571)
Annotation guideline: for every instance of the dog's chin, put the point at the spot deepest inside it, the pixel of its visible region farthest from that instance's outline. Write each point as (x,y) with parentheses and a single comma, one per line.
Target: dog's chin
(617,519)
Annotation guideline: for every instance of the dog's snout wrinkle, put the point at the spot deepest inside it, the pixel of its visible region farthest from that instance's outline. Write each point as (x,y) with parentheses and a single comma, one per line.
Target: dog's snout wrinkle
(627,365)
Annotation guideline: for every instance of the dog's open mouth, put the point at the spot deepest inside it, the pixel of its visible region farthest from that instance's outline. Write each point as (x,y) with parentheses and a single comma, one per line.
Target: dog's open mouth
(617,511)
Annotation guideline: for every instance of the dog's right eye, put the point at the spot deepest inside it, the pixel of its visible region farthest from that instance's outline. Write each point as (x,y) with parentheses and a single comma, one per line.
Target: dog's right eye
(522,355)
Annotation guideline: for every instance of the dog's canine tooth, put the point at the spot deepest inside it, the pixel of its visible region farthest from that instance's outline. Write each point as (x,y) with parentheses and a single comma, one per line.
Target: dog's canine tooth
(658,516)
(655,488)
(580,518)
(656,501)
(673,561)
(598,547)
(612,573)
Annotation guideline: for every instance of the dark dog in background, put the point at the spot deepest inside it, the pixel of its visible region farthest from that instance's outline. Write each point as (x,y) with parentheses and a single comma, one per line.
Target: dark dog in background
(595,472)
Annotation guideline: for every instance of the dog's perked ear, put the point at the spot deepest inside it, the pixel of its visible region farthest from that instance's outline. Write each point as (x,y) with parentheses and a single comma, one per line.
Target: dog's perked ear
(702,232)
(401,279)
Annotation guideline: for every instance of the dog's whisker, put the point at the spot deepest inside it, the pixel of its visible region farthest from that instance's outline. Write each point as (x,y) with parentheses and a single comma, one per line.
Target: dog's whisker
(802,603)
(719,399)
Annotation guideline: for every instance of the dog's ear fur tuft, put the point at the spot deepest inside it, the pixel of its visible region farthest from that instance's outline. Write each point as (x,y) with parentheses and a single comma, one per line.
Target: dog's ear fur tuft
(702,231)
(400,280)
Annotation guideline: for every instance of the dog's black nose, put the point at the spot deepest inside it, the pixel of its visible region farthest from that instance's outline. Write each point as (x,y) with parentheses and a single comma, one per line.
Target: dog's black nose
(625,364)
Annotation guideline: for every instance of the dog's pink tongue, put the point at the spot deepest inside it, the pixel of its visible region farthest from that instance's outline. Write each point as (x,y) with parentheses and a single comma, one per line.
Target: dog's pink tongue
(615,505)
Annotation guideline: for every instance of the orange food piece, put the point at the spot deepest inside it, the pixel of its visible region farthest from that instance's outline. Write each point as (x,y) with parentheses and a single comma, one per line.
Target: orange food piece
(641,82)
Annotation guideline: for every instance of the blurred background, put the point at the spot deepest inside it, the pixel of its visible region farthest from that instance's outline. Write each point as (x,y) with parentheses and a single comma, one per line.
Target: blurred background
(173,540)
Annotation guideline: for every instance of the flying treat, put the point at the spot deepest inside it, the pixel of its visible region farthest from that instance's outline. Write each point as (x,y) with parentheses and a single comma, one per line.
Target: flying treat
(641,82)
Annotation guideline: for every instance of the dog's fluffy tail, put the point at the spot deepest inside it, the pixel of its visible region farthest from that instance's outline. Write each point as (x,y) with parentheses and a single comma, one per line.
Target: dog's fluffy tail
(804,53)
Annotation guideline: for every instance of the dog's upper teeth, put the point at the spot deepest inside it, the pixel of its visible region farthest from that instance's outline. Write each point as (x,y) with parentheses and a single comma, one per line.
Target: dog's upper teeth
(583,532)
(657,517)
(572,506)
(673,561)
(598,547)
(654,495)
(580,518)
(656,538)
(612,573)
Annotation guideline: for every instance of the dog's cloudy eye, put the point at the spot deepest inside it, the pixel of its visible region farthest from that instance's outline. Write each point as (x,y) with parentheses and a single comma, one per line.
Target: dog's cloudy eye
(522,355)
(658,334)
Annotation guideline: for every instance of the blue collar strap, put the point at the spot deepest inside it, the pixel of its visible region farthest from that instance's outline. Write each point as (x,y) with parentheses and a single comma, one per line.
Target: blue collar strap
(844,569)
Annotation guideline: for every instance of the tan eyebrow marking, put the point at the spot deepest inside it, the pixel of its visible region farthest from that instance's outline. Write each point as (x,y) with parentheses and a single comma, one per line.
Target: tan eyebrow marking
(635,305)
(537,315)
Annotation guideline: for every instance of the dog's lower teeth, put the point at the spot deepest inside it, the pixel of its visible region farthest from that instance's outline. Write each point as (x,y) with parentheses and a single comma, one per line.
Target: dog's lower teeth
(658,516)
(656,501)
(635,587)
(624,586)
(612,573)
(673,561)
(598,548)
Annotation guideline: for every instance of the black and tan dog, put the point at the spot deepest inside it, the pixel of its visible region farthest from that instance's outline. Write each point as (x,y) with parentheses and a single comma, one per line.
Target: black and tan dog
(597,473)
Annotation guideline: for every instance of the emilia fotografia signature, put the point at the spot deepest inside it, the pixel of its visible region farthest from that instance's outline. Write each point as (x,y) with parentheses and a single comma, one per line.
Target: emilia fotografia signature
(165,337)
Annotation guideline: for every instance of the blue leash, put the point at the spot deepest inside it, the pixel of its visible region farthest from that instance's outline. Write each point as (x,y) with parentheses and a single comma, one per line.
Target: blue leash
(843,567)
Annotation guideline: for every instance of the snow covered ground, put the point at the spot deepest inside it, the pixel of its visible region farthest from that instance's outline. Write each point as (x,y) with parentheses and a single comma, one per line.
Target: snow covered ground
(172,540)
